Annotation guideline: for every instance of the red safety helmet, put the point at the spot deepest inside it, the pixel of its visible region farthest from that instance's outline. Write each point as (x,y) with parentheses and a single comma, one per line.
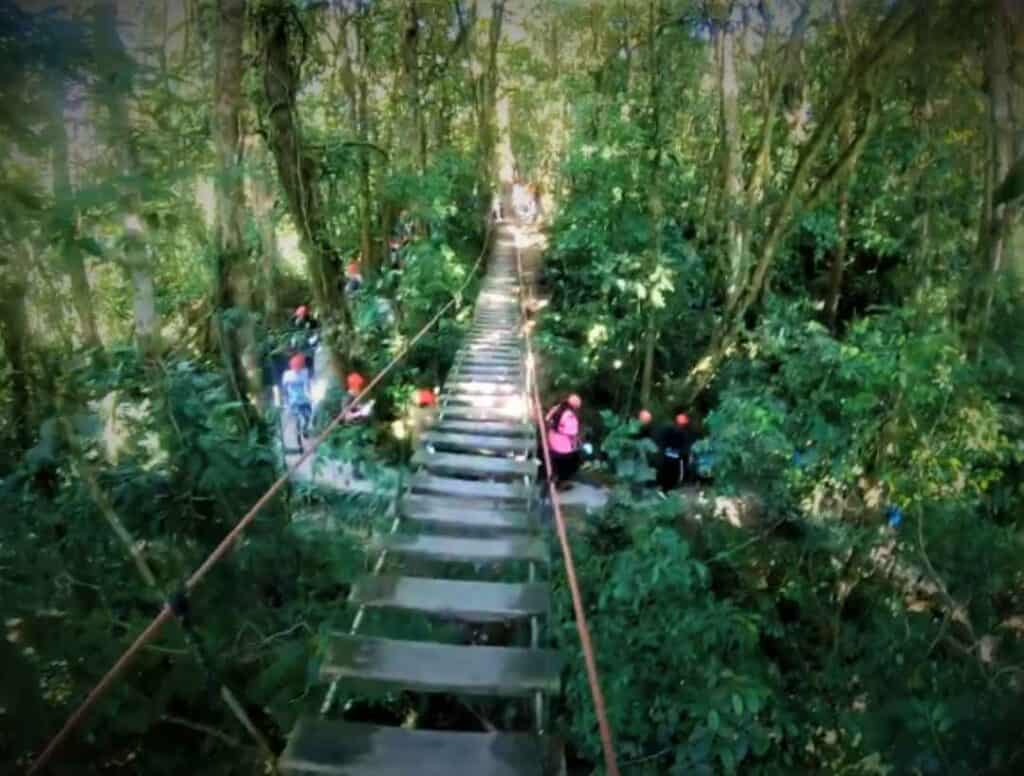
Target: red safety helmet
(297,362)
(355,382)
(425,398)
(574,401)
(301,311)
(645,417)
(682,419)
(352,268)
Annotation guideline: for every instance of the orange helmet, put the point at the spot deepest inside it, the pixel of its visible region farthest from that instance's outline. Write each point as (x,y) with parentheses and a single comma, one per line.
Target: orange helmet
(297,362)
(682,419)
(425,398)
(301,311)
(352,268)
(645,417)
(355,382)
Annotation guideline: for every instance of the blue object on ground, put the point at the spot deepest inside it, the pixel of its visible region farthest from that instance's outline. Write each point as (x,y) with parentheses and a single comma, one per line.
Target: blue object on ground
(894,516)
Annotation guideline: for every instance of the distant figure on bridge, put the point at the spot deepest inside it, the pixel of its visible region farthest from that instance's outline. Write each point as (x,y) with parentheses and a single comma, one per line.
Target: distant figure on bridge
(496,208)
(301,319)
(646,421)
(353,277)
(354,384)
(304,335)
(563,438)
(675,444)
(424,401)
(296,385)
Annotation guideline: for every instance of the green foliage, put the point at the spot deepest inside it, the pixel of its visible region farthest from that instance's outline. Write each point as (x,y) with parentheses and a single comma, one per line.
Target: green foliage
(719,655)
(629,455)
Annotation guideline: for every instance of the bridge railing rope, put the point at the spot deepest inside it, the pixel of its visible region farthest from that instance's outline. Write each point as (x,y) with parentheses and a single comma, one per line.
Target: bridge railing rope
(168,611)
(582,628)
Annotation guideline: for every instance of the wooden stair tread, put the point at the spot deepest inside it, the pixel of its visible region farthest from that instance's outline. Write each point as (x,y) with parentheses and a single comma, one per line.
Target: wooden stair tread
(452,598)
(438,439)
(333,748)
(465,412)
(456,513)
(479,465)
(458,549)
(431,667)
(500,427)
(483,386)
(424,482)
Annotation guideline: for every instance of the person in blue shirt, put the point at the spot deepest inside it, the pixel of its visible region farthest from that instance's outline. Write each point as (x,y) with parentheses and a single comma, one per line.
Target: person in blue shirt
(296,385)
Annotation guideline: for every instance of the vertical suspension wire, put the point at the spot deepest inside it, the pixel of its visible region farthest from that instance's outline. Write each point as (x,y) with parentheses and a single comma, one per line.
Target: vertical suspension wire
(582,628)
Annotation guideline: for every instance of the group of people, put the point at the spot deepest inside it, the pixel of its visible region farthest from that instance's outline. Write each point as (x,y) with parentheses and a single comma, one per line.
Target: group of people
(673,462)
(297,380)
(525,203)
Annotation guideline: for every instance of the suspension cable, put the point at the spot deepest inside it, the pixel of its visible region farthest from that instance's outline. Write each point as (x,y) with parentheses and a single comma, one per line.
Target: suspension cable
(166,613)
(610,763)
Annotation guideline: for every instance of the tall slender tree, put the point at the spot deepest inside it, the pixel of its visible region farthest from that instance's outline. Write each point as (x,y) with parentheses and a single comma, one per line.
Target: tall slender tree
(233,291)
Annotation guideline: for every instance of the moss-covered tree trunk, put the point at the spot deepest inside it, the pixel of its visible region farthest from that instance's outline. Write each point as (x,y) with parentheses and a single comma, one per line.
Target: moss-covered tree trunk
(883,42)
(67,220)
(116,74)
(1003,54)
(233,292)
(299,174)
(14,331)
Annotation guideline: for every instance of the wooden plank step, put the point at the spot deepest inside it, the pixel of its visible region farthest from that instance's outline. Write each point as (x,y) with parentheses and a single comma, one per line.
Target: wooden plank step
(474,465)
(477,364)
(514,404)
(494,428)
(442,512)
(495,369)
(332,748)
(424,482)
(482,414)
(428,667)
(488,353)
(471,601)
(476,442)
(482,386)
(456,549)
(508,378)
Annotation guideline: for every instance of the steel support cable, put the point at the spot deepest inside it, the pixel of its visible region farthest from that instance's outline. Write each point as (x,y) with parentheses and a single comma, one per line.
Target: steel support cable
(222,549)
(593,678)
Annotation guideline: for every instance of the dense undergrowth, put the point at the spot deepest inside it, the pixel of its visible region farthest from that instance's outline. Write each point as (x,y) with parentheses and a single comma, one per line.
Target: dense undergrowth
(818,638)
(797,221)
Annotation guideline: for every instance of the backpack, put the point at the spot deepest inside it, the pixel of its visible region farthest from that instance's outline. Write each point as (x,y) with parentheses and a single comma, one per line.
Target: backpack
(555,418)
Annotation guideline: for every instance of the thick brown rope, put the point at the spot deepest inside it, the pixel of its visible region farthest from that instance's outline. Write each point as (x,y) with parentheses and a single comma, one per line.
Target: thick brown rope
(610,762)
(224,547)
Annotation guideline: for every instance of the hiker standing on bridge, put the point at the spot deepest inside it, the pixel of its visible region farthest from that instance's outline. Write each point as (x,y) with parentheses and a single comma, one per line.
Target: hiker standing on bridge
(563,437)
(297,386)
(675,444)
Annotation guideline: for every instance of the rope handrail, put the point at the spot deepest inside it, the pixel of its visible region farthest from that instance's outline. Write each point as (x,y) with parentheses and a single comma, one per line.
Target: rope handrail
(166,613)
(582,628)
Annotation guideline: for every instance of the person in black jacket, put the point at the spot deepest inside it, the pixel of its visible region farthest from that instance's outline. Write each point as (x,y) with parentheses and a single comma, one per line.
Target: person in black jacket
(675,444)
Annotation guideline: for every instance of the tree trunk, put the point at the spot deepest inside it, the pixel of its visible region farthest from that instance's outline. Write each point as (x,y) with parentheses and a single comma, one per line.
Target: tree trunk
(835,275)
(1005,97)
(729,124)
(117,84)
(487,95)
(261,198)
(300,178)
(416,125)
(233,293)
(895,26)
(74,261)
(14,328)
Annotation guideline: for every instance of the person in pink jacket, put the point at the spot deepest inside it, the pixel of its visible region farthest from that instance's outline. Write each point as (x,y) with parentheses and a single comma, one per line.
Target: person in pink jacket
(563,437)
